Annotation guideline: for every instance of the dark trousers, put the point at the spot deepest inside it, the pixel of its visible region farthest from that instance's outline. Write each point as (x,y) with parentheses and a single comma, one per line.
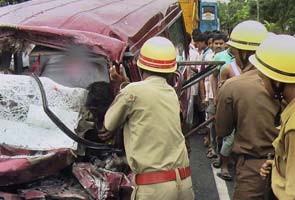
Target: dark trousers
(199,113)
(248,183)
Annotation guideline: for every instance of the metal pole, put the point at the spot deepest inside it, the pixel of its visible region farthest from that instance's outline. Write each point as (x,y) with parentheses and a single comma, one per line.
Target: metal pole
(195,130)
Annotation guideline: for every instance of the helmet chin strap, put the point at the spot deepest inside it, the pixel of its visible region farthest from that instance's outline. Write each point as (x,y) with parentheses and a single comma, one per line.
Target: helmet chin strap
(278,94)
(140,73)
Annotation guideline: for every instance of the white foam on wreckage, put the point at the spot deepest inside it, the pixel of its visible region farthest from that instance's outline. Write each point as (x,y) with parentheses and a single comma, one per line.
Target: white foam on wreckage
(23,121)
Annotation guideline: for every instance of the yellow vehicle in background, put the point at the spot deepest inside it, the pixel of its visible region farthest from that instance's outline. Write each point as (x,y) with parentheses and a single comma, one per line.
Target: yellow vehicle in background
(190,14)
(201,14)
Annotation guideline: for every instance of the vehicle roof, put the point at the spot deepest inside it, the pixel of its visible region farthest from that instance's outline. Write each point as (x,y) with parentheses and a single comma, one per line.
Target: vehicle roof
(107,26)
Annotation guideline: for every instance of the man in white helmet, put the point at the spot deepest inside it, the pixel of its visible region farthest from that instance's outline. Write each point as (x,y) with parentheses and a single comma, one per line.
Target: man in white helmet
(244,105)
(275,60)
(149,111)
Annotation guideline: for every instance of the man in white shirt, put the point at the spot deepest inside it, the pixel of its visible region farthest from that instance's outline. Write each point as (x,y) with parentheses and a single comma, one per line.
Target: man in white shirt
(217,46)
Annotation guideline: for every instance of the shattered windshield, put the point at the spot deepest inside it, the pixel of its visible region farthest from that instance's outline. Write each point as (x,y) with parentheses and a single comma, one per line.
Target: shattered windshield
(22,117)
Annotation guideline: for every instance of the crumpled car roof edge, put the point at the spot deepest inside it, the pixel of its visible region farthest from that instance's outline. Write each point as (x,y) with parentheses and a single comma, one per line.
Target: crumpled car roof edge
(107,26)
(61,39)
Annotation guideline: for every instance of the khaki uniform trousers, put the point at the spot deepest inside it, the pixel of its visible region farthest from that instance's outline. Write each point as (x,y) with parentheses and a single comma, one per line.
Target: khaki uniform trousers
(172,190)
(248,183)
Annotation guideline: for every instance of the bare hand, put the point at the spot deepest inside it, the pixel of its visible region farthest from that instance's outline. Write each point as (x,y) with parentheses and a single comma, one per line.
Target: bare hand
(194,69)
(266,168)
(104,134)
(116,77)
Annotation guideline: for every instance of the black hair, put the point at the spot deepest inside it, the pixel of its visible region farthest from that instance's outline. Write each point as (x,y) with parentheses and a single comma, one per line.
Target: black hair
(99,98)
(209,36)
(201,37)
(188,38)
(207,33)
(219,36)
(195,33)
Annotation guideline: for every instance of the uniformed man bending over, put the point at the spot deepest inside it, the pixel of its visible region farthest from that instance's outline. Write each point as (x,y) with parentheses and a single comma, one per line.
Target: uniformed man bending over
(149,112)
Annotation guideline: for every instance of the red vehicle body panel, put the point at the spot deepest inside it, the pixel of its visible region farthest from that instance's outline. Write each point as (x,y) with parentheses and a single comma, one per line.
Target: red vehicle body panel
(22,165)
(101,183)
(108,27)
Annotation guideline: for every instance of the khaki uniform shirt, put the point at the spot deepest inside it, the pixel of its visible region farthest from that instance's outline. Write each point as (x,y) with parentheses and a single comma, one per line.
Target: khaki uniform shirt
(149,110)
(283,173)
(245,105)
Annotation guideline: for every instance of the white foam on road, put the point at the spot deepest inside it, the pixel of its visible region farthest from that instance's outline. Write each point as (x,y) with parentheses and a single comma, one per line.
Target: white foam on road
(221,185)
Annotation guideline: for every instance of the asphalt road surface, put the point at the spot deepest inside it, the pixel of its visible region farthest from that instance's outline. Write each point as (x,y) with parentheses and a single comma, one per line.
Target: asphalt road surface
(206,185)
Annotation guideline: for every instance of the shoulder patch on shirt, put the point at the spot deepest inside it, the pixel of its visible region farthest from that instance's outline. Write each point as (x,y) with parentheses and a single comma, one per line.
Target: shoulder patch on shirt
(131,98)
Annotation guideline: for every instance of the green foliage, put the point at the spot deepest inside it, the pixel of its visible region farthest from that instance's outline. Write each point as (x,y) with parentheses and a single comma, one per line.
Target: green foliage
(277,15)
(272,27)
(225,20)
(233,13)
(8,2)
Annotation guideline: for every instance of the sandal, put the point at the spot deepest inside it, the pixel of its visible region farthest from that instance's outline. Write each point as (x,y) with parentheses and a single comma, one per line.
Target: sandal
(225,176)
(211,154)
(209,149)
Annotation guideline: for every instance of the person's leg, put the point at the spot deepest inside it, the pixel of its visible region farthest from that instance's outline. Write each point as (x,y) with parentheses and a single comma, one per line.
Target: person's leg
(224,171)
(159,191)
(211,112)
(225,156)
(217,162)
(186,190)
(227,145)
(196,115)
(248,183)
(173,190)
